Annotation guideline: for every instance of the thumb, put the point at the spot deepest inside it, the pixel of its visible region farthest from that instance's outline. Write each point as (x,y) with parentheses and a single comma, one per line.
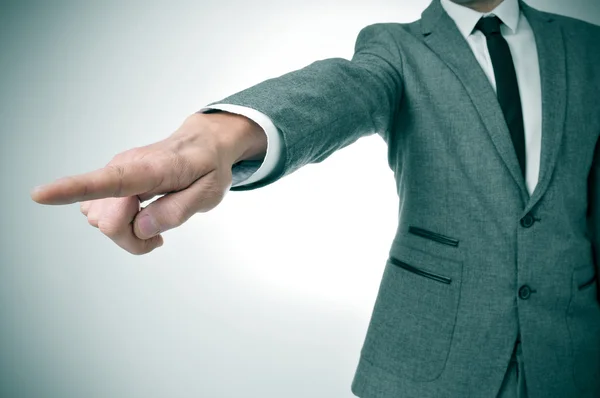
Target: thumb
(172,210)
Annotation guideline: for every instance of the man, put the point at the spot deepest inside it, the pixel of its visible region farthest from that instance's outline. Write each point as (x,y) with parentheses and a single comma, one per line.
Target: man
(490,112)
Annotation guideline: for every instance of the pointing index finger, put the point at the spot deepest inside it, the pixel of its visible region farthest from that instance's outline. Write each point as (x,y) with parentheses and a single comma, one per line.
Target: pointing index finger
(116,180)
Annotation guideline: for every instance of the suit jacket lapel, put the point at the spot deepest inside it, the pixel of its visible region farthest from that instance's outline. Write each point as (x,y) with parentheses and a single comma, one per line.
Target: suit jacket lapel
(552,59)
(443,37)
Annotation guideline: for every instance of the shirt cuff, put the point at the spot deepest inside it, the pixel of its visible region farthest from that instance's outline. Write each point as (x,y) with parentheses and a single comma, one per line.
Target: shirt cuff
(249,171)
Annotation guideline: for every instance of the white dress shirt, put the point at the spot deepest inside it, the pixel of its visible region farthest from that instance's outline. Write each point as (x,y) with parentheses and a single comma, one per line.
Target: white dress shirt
(521,41)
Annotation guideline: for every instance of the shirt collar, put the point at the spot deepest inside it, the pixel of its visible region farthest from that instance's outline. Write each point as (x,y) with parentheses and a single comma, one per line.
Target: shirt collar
(466,18)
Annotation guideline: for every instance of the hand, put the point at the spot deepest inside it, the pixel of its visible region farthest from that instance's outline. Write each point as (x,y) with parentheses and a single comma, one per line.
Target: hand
(192,167)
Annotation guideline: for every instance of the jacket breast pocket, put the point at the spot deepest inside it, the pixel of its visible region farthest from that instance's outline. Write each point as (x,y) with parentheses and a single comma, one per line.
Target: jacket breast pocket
(414,316)
(584,328)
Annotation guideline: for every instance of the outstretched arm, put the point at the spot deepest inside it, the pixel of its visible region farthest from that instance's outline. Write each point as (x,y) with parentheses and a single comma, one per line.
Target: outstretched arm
(331,103)
(318,109)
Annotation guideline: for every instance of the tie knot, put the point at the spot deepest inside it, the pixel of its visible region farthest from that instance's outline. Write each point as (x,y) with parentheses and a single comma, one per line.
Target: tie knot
(489,26)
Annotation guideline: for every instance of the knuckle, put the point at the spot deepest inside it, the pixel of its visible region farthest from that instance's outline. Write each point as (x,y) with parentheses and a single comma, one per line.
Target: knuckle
(108,228)
(148,168)
(126,156)
(152,171)
(93,222)
(182,171)
(118,158)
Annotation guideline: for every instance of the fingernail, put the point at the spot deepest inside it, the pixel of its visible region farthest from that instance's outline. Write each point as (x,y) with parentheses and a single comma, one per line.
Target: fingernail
(148,226)
(37,189)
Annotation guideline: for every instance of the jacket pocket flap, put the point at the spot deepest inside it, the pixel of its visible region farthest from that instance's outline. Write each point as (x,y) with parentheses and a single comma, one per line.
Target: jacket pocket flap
(424,263)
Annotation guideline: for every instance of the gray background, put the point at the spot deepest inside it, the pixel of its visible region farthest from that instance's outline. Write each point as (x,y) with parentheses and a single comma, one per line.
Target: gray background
(241,301)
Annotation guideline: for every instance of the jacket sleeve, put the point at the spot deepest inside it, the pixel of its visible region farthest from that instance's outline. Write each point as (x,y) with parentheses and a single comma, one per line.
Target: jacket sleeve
(330,103)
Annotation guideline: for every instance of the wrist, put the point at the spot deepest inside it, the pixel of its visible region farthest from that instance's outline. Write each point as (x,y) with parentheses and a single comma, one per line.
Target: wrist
(240,137)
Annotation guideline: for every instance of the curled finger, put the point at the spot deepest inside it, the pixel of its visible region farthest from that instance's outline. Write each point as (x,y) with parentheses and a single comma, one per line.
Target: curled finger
(172,210)
(116,222)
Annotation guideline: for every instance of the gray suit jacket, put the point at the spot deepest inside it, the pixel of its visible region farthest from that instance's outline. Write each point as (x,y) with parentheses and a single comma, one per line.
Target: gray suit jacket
(475,260)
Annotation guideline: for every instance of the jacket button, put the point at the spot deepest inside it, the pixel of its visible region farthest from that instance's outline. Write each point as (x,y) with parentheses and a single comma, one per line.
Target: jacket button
(524,292)
(527,221)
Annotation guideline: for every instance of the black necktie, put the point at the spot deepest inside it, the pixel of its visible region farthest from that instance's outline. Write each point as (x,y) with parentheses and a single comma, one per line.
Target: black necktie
(507,88)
